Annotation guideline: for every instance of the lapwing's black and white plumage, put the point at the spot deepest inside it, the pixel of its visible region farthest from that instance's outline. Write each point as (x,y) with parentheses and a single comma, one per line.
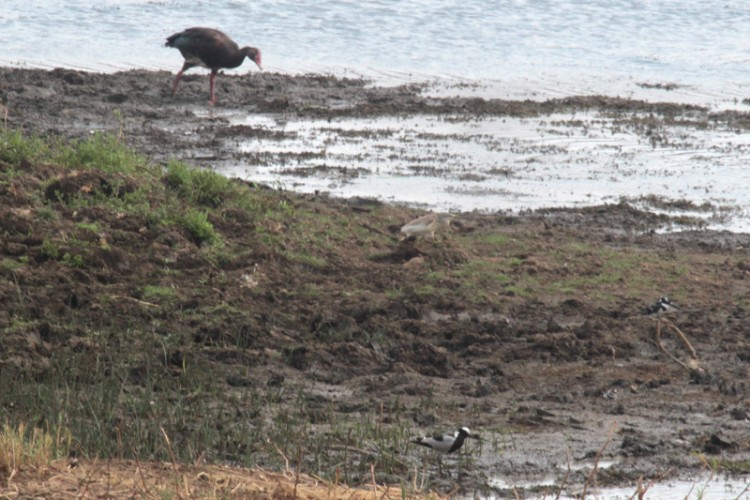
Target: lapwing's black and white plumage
(662,307)
(447,443)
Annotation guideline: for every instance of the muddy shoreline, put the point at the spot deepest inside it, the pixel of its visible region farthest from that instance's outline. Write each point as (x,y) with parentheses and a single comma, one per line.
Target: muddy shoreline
(316,133)
(138,105)
(552,379)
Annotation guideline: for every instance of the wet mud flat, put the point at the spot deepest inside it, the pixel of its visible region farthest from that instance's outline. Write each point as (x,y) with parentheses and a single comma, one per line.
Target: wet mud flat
(411,144)
(556,382)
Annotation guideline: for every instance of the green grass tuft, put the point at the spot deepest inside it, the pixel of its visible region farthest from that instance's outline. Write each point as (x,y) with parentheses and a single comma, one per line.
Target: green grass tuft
(16,148)
(102,151)
(200,228)
(203,187)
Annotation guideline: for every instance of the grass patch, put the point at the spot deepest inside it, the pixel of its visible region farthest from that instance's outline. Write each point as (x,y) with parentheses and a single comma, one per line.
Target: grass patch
(426,291)
(22,446)
(16,148)
(200,228)
(496,239)
(102,151)
(200,186)
(306,259)
(73,260)
(13,264)
(159,293)
(46,214)
(50,250)
(722,464)
(92,227)
(478,278)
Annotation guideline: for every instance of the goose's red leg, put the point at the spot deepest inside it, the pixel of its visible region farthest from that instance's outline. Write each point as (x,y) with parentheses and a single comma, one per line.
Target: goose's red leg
(211,84)
(179,75)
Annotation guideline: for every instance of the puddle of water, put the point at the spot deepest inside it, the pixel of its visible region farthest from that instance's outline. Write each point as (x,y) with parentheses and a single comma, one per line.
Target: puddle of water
(538,474)
(679,489)
(699,488)
(503,484)
(451,163)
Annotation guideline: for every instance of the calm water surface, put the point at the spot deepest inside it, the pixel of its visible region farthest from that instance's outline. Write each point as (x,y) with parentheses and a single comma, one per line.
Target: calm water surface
(697,42)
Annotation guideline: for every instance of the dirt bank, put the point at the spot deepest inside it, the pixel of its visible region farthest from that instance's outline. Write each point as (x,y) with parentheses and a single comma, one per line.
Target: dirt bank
(528,328)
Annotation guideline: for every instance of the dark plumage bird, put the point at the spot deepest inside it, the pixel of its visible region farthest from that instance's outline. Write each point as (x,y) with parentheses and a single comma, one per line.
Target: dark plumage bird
(211,49)
(447,443)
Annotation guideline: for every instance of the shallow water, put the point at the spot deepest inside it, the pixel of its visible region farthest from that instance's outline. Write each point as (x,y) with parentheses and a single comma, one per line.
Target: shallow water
(454,163)
(698,488)
(543,45)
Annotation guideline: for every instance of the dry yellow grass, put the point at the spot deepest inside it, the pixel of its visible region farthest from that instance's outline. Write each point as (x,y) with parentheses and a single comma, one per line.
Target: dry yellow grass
(19,448)
(146,480)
